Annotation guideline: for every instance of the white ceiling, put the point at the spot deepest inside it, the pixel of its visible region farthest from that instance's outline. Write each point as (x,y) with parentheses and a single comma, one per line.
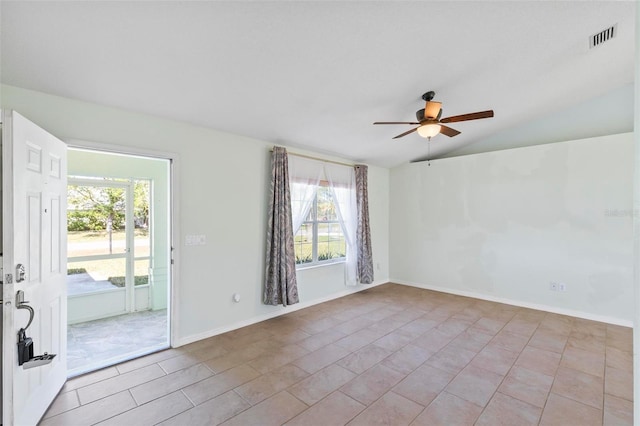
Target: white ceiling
(316,75)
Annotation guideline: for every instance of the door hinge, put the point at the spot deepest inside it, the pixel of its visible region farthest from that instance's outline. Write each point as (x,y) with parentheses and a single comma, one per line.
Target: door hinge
(9,279)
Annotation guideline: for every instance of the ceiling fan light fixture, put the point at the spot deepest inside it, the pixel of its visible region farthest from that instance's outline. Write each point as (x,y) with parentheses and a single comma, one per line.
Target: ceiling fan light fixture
(429,130)
(432,109)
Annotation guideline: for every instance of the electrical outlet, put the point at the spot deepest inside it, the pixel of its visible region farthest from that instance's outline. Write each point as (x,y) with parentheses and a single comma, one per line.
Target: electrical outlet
(562,287)
(553,286)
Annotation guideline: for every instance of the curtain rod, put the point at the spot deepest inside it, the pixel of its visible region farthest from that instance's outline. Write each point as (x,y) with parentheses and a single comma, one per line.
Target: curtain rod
(319,159)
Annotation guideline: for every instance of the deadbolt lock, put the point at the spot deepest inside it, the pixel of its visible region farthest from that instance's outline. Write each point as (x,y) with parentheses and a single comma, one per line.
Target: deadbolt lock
(20,273)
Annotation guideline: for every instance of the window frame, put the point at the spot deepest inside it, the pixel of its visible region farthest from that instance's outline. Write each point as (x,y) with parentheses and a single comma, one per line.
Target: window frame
(314,226)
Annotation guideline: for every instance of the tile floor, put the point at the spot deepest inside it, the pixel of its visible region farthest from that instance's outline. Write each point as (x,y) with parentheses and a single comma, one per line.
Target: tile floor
(106,341)
(392,355)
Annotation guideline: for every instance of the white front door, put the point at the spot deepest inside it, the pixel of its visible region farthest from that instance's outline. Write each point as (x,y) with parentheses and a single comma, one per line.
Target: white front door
(34,186)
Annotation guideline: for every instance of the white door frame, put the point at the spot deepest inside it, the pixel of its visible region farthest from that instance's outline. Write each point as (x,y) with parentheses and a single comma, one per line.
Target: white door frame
(174,212)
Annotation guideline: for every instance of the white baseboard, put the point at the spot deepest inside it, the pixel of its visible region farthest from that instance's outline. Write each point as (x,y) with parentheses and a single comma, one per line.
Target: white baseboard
(539,307)
(350,290)
(263,317)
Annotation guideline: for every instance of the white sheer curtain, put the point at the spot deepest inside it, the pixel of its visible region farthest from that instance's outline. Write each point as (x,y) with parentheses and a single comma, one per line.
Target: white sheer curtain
(304,177)
(342,182)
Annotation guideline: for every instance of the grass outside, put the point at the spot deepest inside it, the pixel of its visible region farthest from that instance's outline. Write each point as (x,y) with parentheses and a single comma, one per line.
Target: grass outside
(93,236)
(87,243)
(102,269)
(112,270)
(328,248)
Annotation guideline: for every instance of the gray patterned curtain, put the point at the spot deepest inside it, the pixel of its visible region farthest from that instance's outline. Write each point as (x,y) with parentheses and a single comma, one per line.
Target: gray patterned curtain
(280,285)
(363,234)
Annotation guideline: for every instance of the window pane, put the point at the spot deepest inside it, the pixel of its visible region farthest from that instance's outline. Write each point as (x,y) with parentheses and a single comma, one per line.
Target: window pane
(303,244)
(324,252)
(326,207)
(141,273)
(141,213)
(95,220)
(299,193)
(337,242)
(331,242)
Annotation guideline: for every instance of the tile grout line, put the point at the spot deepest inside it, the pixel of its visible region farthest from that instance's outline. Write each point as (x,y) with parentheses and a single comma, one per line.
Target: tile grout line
(510,368)
(327,313)
(405,376)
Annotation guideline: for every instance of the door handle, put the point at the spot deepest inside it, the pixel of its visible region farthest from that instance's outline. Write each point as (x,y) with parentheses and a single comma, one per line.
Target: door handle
(22,304)
(20,273)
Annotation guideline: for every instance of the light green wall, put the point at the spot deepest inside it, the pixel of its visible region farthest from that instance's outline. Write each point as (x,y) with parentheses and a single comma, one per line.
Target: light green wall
(506,224)
(102,164)
(221,189)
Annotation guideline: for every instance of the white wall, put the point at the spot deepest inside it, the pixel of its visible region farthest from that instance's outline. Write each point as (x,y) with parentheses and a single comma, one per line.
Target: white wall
(503,225)
(222,185)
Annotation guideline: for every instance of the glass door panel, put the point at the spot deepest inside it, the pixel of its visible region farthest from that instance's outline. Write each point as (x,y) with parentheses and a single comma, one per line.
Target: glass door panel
(98,219)
(142,218)
(141,272)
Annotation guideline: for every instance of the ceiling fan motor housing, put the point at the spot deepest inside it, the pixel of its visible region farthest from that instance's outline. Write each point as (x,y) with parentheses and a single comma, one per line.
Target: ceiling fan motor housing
(428,96)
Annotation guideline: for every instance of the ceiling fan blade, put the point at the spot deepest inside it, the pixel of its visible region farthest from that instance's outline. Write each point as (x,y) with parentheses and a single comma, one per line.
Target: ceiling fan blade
(467,117)
(396,122)
(406,133)
(432,109)
(448,131)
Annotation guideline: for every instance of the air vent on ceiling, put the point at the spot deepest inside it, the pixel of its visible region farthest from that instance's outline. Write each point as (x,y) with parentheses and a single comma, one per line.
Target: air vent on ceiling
(605,35)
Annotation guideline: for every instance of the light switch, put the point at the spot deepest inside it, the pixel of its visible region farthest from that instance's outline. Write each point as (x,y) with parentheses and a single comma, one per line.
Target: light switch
(195,240)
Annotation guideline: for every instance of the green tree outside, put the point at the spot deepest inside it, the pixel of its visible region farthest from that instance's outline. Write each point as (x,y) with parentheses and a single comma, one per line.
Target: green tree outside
(101,208)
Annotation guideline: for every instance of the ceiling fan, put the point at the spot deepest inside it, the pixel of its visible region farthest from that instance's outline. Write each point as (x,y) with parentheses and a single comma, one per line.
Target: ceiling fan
(429,122)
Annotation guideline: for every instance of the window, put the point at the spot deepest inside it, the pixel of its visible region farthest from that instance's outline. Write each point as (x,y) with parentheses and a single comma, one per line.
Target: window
(320,238)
